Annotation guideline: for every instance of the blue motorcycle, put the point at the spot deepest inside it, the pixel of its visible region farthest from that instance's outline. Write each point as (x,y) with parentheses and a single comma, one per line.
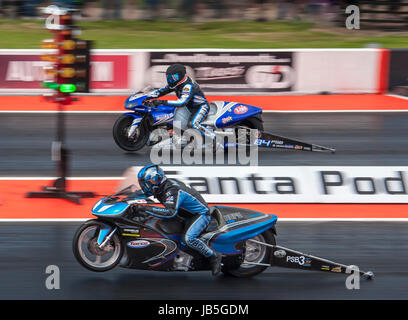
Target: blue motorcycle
(132,130)
(121,235)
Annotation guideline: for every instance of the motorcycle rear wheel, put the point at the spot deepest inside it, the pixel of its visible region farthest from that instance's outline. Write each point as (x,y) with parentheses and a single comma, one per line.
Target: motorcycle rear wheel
(87,252)
(254,253)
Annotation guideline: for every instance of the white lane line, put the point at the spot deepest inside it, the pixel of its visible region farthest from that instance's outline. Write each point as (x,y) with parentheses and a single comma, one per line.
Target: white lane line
(397,96)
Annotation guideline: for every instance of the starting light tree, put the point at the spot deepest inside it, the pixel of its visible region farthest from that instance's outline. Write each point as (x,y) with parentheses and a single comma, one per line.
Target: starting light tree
(67,73)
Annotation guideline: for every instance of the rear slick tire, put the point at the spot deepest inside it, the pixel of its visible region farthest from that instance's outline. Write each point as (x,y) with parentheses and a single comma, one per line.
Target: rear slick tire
(254,253)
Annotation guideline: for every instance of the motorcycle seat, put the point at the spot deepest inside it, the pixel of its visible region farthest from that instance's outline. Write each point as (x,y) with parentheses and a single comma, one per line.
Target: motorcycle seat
(171,226)
(216,214)
(175,226)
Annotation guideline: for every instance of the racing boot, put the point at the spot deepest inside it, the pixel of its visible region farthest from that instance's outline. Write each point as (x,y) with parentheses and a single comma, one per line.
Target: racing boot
(215,261)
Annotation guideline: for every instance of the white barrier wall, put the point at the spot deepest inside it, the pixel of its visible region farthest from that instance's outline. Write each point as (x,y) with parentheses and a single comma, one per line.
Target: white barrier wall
(240,72)
(293,184)
(338,71)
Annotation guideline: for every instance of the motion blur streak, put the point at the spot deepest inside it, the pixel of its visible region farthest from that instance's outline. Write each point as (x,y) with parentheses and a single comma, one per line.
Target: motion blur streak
(360,139)
(365,244)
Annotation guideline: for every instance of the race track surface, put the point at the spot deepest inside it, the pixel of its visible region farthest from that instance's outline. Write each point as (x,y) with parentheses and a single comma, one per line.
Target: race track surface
(26,249)
(360,139)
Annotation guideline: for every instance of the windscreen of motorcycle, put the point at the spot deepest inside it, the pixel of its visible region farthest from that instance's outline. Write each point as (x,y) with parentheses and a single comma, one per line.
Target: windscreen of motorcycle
(129,179)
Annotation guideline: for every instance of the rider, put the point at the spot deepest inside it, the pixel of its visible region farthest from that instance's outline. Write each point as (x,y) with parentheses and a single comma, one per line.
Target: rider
(175,195)
(189,96)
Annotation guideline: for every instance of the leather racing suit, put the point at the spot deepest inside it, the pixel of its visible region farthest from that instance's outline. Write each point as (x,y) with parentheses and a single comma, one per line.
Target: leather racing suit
(190,97)
(175,195)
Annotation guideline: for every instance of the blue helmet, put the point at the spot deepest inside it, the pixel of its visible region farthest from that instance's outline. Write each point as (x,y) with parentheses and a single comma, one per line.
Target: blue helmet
(175,74)
(150,177)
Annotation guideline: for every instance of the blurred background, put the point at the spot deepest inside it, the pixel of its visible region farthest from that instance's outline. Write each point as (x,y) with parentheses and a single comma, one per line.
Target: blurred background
(333,97)
(216,23)
(208,10)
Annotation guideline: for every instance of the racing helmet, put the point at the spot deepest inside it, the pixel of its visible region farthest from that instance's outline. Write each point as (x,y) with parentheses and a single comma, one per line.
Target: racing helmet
(175,74)
(150,178)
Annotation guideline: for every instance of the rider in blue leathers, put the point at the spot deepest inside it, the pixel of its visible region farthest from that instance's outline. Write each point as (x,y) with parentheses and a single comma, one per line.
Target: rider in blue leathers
(189,96)
(175,195)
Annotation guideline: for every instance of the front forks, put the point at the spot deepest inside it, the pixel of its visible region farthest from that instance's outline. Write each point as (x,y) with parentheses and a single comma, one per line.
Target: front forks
(133,127)
(104,236)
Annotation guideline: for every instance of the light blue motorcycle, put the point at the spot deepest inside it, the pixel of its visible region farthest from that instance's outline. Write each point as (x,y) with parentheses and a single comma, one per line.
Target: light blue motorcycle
(132,130)
(122,235)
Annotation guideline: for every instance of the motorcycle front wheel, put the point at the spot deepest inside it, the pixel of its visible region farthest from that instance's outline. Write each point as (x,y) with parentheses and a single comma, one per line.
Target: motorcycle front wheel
(89,254)
(120,134)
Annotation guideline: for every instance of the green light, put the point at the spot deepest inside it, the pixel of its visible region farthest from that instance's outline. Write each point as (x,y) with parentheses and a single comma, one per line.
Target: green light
(50,85)
(67,88)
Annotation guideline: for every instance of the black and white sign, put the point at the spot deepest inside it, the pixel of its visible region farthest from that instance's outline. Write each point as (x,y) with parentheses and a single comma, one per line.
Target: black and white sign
(284,184)
(228,71)
(398,72)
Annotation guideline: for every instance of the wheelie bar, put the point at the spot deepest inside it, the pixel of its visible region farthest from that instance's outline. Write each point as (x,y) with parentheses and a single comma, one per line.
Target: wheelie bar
(288,258)
(268,140)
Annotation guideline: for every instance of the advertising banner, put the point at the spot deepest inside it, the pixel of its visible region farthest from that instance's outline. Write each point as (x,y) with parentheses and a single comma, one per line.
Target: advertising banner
(224,71)
(295,184)
(398,73)
(24,72)
(220,72)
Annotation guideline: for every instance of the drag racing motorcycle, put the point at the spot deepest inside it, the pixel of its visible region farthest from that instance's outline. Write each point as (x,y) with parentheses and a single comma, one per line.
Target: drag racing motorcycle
(119,235)
(133,130)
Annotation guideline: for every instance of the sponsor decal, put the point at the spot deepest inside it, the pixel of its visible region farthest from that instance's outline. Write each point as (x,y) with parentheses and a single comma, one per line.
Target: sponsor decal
(301,260)
(267,143)
(163,116)
(131,234)
(226,120)
(233,216)
(241,109)
(131,230)
(138,244)
(137,201)
(280,253)
(170,199)
(336,269)
(211,73)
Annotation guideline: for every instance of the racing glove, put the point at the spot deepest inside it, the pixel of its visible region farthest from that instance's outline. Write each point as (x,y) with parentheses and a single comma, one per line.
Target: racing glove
(138,210)
(155,103)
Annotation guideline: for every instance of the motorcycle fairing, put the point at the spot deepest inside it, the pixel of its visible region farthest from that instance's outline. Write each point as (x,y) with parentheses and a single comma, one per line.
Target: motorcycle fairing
(241,224)
(224,113)
(156,250)
(221,114)
(134,101)
(104,209)
(162,114)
